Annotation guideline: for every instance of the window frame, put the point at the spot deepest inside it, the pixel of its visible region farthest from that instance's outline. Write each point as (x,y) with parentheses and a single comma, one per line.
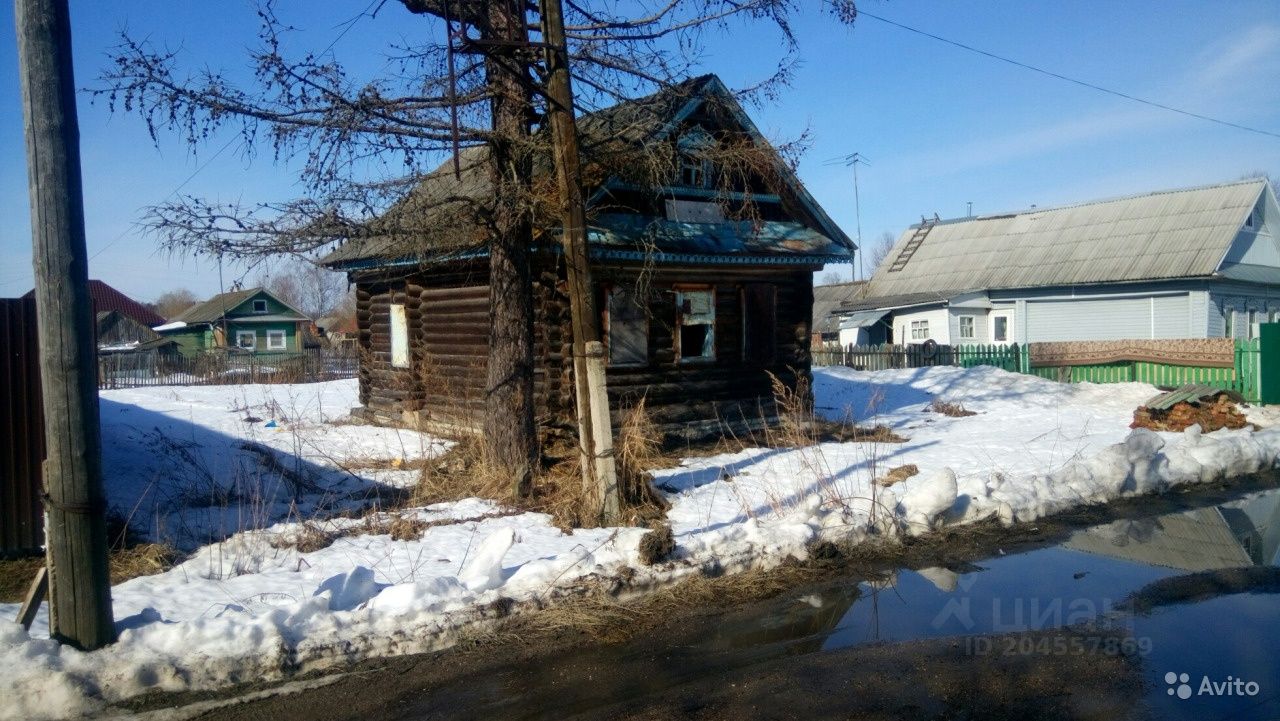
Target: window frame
(253,334)
(920,329)
(284,340)
(676,342)
(609,290)
(1007,317)
(264,309)
(398,340)
(973,327)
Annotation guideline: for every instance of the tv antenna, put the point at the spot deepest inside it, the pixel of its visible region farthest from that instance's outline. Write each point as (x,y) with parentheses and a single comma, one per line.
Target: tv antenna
(854,160)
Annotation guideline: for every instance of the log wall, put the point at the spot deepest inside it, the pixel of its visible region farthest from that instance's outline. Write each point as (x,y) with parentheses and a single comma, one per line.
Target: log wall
(448,318)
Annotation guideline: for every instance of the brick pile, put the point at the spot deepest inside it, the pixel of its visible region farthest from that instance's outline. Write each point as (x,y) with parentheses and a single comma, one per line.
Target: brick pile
(1211,413)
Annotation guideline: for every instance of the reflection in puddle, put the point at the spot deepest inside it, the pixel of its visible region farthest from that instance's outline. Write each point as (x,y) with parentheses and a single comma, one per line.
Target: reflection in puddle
(1086,580)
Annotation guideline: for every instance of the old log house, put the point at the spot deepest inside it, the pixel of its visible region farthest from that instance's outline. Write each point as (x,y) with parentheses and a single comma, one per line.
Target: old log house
(703,280)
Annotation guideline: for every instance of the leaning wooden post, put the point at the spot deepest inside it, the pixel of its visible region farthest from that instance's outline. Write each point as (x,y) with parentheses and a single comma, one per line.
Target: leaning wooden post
(595,431)
(75,532)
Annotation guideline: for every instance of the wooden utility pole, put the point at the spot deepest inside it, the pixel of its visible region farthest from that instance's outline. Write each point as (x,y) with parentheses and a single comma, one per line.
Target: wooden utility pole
(595,432)
(75,535)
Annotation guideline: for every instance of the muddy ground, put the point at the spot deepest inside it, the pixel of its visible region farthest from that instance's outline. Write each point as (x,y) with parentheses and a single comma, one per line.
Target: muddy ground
(657,656)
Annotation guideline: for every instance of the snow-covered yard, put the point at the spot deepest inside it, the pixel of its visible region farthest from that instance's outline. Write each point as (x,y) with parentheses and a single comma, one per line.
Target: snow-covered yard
(243,609)
(190,465)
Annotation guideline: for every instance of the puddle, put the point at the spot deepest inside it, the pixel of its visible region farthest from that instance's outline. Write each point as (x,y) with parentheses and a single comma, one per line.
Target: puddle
(1088,578)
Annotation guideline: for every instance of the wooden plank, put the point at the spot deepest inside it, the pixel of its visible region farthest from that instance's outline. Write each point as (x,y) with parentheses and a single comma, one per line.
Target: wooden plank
(35,596)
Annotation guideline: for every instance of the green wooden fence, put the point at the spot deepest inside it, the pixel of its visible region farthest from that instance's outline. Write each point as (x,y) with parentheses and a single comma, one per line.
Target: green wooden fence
(1243,377)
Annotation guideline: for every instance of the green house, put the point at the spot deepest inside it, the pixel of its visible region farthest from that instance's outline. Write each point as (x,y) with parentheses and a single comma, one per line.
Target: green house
(250,320)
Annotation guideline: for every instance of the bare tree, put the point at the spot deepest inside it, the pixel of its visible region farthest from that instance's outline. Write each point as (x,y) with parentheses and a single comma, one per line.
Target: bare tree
(312,289)
(172,302)
(365,144)
(879,250)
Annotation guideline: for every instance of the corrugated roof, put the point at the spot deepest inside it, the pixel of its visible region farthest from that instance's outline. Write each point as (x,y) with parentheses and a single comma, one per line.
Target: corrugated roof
(1167,234)
(443,216)
(827,298)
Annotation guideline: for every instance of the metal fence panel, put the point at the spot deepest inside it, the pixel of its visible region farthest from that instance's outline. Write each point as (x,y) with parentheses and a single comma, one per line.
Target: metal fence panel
(21,430)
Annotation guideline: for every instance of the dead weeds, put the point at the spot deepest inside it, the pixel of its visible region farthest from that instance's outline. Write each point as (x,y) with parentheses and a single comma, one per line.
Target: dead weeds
(898,474)
(951,409)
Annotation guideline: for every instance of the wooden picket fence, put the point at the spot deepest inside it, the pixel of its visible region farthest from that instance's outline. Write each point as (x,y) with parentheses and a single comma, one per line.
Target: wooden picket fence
(918,355)
(125,370)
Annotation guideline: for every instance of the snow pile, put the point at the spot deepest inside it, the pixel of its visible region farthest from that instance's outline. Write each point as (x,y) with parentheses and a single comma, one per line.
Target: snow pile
(247,609)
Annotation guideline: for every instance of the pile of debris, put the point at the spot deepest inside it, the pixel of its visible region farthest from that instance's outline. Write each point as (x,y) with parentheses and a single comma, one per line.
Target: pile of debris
(1185,406)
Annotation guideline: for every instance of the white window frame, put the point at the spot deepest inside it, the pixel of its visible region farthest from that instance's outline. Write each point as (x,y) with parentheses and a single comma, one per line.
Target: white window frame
(681,354)
(253,339)
(973,327)
(920,329)
(273,335)
(399,336)
(1008,327)
(260,309)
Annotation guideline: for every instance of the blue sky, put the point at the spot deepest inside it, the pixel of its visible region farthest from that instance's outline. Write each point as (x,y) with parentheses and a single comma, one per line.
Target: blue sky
(942,127)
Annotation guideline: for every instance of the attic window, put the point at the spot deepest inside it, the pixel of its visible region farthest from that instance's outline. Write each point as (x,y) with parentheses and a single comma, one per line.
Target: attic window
(1249,222)
(693,172)
(259,306)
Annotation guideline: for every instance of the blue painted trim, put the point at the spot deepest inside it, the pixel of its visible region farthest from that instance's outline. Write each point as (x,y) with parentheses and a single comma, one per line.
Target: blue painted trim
(711,259)
(615,254)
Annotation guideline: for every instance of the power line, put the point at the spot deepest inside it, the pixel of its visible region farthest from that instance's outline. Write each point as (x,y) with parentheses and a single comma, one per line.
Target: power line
(1082,83)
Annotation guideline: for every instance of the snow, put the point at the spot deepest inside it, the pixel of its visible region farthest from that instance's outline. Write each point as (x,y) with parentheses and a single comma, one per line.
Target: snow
(194,464)
(250,606)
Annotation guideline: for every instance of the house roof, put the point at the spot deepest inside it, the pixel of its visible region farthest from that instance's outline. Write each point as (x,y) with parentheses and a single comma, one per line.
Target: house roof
(215,308)
(106,299)
(828,298)
(1162,235)
(441,217)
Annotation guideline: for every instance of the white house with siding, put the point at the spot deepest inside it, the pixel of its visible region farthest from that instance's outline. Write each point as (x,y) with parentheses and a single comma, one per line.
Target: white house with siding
(1193,263)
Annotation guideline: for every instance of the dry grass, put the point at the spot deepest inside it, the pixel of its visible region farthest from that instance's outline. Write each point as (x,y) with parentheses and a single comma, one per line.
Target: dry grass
(657,545)
(952,409)
(15,577)
(898,474)
(143,559)
(557,489)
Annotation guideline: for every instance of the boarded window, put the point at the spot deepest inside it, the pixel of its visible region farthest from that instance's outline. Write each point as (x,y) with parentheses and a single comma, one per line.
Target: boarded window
(696,321)
(628,328)
(399,337)
(759,323)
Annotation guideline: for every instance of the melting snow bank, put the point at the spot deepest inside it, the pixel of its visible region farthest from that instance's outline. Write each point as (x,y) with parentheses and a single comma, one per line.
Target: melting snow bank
(245,610)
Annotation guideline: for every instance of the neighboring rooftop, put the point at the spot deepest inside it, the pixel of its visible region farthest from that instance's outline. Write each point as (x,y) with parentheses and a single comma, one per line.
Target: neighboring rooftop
(1167,234)
(829,298)
(215,308)
(106,299)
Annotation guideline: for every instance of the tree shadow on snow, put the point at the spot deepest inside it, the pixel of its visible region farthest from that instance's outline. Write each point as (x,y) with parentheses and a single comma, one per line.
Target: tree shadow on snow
(177,481)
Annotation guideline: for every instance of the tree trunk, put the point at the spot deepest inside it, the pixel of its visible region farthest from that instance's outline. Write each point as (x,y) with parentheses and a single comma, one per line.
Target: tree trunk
(510,436)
